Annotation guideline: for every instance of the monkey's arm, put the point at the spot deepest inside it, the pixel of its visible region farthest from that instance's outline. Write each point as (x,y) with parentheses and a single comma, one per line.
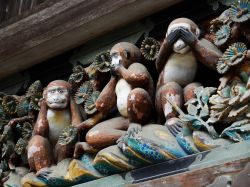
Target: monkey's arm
(105,102)
(107,99)
(75,113)
(164,53)
(15,121)
(42,125)
(166,49)
(202,49)
(136,75)
(90,122)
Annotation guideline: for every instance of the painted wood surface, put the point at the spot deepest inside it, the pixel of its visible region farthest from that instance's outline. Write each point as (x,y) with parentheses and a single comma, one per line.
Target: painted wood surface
(200,169)
(65,25)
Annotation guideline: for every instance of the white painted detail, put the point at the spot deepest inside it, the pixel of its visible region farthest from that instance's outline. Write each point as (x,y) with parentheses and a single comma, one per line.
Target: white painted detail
(168,107)
(122,91)
(58,120)
(33,149)
(116,60)
(176,25)
(132,98)
(93,133)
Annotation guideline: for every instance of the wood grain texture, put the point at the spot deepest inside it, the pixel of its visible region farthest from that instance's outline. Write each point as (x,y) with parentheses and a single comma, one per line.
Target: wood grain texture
(65,25)
(201,177)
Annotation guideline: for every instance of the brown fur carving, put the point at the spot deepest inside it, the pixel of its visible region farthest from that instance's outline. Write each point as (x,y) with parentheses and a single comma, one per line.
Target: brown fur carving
(177,63)
(58,111)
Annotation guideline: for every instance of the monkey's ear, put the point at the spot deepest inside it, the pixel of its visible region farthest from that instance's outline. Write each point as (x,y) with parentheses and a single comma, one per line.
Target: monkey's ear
(197,32)
(126,53)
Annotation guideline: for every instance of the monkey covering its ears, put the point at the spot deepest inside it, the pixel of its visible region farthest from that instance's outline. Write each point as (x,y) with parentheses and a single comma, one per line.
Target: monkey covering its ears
(58,111)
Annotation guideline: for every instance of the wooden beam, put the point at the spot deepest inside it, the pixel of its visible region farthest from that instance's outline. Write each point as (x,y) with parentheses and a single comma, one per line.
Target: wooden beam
(199,169)
(65,25)
(202,177)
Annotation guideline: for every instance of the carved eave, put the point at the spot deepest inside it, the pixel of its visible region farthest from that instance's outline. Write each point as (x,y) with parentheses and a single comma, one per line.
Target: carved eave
(65,24)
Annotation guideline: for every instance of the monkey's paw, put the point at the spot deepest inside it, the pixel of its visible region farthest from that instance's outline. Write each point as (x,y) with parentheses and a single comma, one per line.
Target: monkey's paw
(173,36)
(187,36)
(133,129)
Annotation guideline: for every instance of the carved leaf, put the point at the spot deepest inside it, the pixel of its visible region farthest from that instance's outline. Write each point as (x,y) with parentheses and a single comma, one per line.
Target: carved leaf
(225,92)
(218,107)
(246,97)
(198,91)
(216,99)
(192,110)
(240,123)
(234,100)
(238,112)
(204,111)
(248,114)
(237,130)
(187,118)
(225,112)
(232,135)
(212,90)
(191,101)
(212,120)
(245,128)
(197,124)
(205,96)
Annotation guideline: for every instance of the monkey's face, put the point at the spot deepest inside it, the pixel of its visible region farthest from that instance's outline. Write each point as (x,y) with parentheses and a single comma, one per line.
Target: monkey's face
(57,97)
(116,59)
(120,58)
(180,46)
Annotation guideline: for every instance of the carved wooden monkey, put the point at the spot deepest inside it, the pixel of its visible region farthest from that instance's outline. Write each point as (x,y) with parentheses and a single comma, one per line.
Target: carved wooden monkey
(130,89)
(177,63)
(58,111)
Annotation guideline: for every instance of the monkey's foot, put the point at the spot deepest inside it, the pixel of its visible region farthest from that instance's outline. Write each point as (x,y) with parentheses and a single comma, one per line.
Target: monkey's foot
(83,147)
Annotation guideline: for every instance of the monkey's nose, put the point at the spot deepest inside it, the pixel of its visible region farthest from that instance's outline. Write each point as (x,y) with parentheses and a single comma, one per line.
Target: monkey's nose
(55,99)
(115,62)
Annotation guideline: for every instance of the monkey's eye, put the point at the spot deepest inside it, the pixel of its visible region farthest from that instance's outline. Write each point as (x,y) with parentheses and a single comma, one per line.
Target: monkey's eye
(60,91)
(52,91)
(114,55)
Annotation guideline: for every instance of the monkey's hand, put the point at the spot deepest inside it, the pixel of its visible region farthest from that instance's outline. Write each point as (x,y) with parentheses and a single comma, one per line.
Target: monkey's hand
(173,36)
(187,36)
(113,72)
(115,69)
(133,129)
(84,125)
(90,122)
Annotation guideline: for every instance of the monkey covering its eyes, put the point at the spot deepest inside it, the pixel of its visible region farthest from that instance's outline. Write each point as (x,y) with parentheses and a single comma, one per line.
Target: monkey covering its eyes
(177,63)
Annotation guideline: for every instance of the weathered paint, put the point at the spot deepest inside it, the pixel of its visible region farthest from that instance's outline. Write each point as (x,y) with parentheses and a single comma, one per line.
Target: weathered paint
(199,169)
